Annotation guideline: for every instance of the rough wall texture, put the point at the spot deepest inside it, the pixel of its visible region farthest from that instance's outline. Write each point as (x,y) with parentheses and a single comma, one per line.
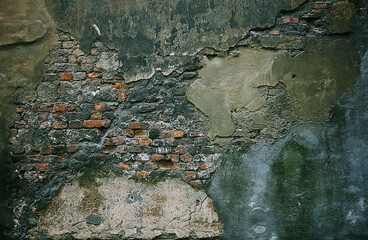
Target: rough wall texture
(183,119)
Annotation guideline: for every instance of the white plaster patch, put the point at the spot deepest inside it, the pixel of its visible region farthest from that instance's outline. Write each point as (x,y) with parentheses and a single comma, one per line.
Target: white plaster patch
(132,209)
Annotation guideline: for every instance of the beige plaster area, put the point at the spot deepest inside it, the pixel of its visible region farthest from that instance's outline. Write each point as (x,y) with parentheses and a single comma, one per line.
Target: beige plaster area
(314,81)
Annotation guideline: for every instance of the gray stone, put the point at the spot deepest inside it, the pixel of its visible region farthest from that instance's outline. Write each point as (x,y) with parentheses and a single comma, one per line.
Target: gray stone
(79,76)
(47,92)
(107,62)
(92,219)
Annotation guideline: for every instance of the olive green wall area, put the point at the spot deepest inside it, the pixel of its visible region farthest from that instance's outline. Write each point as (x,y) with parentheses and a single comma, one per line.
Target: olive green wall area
(27,34)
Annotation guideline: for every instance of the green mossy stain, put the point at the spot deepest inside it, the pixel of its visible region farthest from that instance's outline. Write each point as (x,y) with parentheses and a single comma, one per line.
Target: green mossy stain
(92,199)
(154,133)
(294,178)
(233,180)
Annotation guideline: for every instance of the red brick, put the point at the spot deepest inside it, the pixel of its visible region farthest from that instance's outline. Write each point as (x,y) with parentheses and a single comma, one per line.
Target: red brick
(128,132)
(75,124)
(190,175)
(124,165)
(45,150)
(294,20)
(60,125)
(117,140)
(136,164)
(196,182)
(142,173)
(192,166)
(72,148)
(21,109)
(43,116)
(203,166)
(157,157)
(100,107)
(36,107)
(186,158)
(178,166)
(178,134)
(319,5)
(118,78)
(46,108)
(180,150)
(121,149)
(107,142)
(94,75)
(122,94)
(66,76)
(42,167)
(71,108)
(61,107)
(154,166)
(57,116)
(135,125)
(290,20)
(145,142)
(94,51)
(286,20)
(96,123)
(173,157)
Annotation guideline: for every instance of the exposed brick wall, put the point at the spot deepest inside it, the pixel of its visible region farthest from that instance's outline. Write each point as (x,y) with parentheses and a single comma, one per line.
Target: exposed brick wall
(83,110)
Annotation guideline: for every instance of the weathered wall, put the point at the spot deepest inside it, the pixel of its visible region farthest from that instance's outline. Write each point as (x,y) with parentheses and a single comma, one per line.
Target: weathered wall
(184,119)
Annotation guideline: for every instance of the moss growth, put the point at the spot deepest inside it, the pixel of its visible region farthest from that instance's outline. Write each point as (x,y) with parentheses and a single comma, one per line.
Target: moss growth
(232,182)
(91,202)
(92,199)
(293,190)
(154,133)
(341,17)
